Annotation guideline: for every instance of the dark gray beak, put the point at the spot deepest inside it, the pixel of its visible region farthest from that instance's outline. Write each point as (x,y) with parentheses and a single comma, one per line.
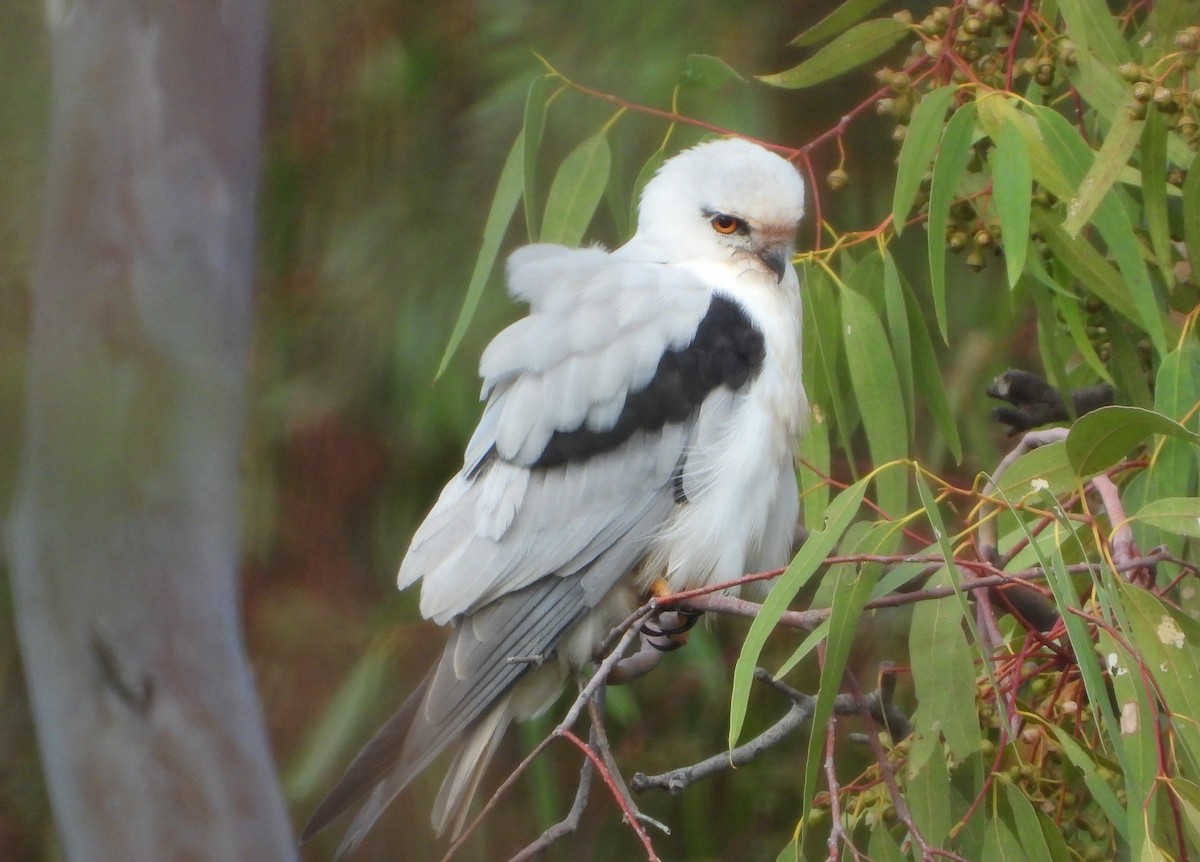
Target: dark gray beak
(777,259)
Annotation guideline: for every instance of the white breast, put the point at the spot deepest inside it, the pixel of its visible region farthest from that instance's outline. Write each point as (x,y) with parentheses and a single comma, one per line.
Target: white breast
(740,482)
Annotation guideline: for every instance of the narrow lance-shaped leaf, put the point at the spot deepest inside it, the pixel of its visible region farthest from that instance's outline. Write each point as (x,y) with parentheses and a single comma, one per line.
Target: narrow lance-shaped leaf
(848,601)
(1012,192)
(709,72)
(916,152)
(576,191)
(1113,156)
(504,204)
(1191,214)
(948,168)
(534,124)
(898,332)
(810,556)
(1154,190)
(858,45)
(1111,220)
(877,391)
(845,15)
(928,376)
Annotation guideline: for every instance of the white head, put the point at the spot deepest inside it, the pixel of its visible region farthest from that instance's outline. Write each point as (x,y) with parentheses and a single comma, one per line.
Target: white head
(724,200)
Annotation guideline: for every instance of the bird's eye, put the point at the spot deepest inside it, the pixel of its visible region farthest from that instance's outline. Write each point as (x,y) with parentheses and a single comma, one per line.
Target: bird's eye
(727,224)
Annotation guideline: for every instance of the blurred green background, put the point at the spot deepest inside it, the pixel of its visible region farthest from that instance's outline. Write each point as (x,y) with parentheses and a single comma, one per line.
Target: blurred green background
(384,130)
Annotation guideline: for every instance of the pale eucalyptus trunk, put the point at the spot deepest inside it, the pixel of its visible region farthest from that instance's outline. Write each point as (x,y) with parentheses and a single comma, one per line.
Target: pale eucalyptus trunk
(123,539)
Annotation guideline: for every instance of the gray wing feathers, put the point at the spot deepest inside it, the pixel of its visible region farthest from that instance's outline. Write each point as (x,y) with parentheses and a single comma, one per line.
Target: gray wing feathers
(597,327)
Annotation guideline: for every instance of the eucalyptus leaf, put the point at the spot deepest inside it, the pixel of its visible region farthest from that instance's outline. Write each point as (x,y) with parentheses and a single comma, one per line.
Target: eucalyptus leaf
(1100,439)
(948,168)
(917,150)
(509,189)
(844,16)
(576,191)
(858,45)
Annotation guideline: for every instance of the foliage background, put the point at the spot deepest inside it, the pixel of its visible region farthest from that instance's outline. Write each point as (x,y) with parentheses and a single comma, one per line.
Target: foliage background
(386,127)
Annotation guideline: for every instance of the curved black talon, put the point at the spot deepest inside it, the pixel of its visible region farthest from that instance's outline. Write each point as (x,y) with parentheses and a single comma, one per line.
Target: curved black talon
(689,619)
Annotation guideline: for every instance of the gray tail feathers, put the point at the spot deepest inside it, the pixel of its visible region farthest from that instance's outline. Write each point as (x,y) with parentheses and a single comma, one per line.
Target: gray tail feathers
(372,765)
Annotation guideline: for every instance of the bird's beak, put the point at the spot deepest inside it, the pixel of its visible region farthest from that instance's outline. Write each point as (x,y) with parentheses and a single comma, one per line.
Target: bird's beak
(777,258)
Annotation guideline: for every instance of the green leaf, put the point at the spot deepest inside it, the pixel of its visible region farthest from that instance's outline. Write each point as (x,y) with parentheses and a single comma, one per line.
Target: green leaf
(929,799)
(928,378)
(504,203)
(1112,221)
(339,725)
(882,847)
(1026,825)
(858,45)
(1071,311)
(1047,464)
(943,671)
(877,391)
(1191,215)
(1188,795)
(709,72)
(1114,155)
(1100,439)
(576,191)
(814,451)
(1094,30)
(916,152)
(1174,514)
(1169,643)
(1082,759)
(1087,265)
(1154,190)
(822,346)
(532,128)
(898,332)
(806,562)
(853,588)
(844,16)
(948,169)
(1012,192)
(1137,743)
(1000,844)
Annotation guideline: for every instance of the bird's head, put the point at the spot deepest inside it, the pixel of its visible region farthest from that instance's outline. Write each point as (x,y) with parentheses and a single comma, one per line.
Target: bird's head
(727,201)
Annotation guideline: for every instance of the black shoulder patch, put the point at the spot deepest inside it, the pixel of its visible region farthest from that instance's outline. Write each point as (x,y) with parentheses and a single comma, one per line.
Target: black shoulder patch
(726,351)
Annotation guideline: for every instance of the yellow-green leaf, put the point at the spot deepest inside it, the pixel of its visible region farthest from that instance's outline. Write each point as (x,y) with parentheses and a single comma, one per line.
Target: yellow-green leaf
(1114,155)
(1100,439)
(504,203)
(844,16)
(576,191)
(1012,192)
(948,168)
(858,45)
(916,153)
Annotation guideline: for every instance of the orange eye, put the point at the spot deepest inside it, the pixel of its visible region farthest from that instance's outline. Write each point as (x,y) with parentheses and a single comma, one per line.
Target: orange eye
(727,224)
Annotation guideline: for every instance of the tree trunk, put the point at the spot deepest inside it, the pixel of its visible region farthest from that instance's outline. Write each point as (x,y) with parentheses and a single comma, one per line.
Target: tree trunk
(123,540)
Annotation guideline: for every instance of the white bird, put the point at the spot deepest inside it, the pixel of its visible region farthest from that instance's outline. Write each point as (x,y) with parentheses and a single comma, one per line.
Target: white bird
(641,423)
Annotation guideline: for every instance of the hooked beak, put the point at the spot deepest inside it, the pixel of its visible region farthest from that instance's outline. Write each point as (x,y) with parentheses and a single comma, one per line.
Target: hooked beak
(777,259)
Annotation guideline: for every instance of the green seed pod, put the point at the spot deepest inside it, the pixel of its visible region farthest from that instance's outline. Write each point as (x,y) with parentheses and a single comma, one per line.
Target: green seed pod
(1143,91)
(838,179)
(1164,100)
(1044,74)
